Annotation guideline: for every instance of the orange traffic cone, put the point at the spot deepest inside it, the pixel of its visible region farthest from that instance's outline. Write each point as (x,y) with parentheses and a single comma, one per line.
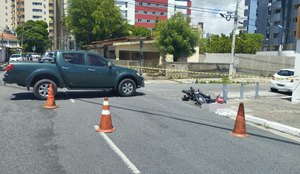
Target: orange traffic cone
(240,125)
(105,122)
(50,104)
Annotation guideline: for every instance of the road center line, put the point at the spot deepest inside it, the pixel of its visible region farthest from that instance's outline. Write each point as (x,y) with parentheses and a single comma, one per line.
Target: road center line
(119,152)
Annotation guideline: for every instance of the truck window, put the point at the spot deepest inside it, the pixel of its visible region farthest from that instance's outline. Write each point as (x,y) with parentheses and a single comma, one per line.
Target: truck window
(74,58)
(94,60)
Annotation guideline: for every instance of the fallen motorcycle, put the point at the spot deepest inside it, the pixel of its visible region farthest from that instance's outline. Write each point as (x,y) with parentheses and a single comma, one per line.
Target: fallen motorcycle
(199,97)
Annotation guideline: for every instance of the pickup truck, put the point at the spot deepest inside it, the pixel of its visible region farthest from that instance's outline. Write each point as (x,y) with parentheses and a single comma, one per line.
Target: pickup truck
(73,69)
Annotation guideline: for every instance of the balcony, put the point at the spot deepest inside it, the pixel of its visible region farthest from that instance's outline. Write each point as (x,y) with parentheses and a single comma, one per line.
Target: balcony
(247,2)
(296,2)
(276,17)
(276,5)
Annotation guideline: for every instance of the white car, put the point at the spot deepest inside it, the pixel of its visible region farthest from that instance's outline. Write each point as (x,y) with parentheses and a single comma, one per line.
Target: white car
(16,57)
(282,80)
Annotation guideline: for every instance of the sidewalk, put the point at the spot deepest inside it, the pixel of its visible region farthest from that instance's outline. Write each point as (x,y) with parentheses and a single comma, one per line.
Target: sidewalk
(271,110)
(277,113)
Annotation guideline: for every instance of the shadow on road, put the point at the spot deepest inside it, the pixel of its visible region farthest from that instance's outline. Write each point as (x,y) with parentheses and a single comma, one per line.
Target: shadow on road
(284,93)
(70,95)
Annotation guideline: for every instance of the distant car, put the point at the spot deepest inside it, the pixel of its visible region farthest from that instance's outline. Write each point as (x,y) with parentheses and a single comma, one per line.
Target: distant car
(16,57)
(48,56)
(33,57)
(282,80)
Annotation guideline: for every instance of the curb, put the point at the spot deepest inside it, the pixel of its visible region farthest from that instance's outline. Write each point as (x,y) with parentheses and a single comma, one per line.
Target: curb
(261,122)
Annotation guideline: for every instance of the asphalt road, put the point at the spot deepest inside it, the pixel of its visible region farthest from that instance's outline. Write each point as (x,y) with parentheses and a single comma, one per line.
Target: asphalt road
(155,130)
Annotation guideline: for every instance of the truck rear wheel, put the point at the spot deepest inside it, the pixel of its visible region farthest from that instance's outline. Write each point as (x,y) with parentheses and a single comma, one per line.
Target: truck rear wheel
(126,87)
(40,88)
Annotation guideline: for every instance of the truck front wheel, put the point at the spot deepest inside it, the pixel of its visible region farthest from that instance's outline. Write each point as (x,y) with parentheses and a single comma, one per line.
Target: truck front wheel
(40,88)
(126,87)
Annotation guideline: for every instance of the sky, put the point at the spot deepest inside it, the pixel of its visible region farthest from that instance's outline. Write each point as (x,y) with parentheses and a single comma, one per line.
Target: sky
(207,11)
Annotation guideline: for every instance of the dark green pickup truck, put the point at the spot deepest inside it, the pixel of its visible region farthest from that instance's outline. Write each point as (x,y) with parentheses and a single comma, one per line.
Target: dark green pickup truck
(73,69)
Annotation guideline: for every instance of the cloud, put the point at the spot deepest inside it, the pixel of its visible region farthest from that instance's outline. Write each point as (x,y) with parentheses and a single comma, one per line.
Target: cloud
(208,13)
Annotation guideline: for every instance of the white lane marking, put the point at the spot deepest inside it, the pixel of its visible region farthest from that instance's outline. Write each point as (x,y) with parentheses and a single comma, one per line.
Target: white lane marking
(119,152)
(73,101)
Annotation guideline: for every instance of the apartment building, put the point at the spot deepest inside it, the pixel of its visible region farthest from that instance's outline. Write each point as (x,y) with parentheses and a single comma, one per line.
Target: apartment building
(276,20)
(16,12)
(282,24)
(5,14)
(147,12)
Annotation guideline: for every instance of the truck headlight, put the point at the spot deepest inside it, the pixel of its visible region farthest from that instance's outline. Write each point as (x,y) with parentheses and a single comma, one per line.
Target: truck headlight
(137,73)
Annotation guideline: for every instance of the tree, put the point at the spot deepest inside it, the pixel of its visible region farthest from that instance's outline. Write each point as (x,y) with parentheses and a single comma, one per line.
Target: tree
(249,43)
(245,43)
(92,20)
(218,44)
(34,34)
(139,31)
(176,37)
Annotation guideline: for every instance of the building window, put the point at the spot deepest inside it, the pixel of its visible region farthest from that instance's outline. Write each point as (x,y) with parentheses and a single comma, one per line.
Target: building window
(36,17)
(277,23)
(36,3)
(36,10)
(277,11)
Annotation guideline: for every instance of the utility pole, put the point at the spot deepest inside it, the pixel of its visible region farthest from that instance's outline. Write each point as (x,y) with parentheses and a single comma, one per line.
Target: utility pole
(232,67)
(2,46)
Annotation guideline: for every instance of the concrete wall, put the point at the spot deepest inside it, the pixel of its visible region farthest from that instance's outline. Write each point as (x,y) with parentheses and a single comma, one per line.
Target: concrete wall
(276,53)
(2,56)
(263,65)
(253,64)
(195,57)
(197,67)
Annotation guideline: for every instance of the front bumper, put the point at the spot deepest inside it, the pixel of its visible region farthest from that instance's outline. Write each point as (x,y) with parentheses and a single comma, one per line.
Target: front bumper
(141,82)
(282,86)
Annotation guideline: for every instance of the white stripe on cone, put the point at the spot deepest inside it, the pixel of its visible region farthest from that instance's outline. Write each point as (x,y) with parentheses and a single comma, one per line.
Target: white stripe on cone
(105,103)
(105,112)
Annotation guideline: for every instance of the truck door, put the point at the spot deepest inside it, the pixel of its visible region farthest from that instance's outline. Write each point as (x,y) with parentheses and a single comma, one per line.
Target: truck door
(99,74)
(74,70)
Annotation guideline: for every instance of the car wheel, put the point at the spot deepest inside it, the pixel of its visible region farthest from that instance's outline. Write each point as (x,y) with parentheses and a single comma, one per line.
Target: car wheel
(126,87)
(273,90)
(40,89)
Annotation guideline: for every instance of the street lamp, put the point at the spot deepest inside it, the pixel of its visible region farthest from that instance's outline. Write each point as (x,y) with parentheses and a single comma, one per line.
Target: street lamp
(280,49)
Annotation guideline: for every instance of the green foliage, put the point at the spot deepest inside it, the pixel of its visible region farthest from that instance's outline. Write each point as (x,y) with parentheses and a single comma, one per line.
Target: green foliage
(92,20)
(245,43)
(176,37)
(139,31)
(225,80)
(249,43)
(34,33)
(219,44)
(203,46)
